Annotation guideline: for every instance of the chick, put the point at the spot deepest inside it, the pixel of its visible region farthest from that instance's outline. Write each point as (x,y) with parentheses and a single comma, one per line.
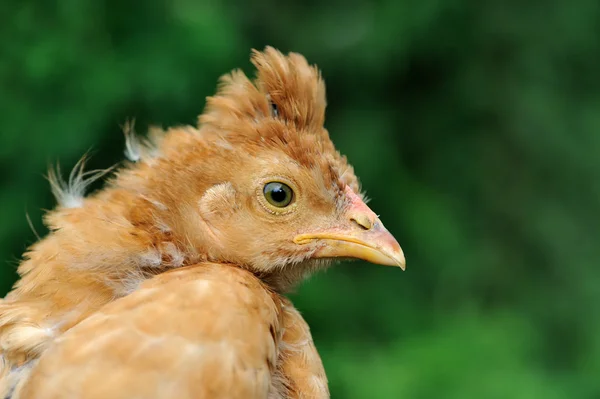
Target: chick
(206,230)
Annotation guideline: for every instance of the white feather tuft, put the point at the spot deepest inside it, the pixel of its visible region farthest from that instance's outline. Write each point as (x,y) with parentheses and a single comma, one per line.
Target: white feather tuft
(139,148)
(175,256)
(71,193)
(133,145)
(150,258)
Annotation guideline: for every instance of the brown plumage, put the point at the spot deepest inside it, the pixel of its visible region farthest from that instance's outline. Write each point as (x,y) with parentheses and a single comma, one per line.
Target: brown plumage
(169,282)
(149,344)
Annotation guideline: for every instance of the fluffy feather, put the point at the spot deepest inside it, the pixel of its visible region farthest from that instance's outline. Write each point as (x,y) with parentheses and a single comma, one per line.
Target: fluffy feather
(193,196)
(237,357)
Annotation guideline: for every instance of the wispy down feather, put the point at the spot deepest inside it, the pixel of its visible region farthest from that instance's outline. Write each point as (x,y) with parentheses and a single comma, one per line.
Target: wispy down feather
(140,148)
(70,193)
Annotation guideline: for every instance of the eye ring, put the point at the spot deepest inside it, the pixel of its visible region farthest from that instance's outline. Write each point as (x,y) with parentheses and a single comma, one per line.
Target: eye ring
(278,194)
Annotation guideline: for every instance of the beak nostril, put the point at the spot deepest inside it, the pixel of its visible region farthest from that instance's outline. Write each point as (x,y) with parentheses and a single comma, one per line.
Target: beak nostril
(362,221)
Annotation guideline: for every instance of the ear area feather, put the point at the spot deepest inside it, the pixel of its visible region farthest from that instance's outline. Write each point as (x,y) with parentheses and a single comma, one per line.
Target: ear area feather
(219,201)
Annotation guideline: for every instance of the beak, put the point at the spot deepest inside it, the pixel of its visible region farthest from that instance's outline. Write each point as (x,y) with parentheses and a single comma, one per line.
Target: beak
(361,236)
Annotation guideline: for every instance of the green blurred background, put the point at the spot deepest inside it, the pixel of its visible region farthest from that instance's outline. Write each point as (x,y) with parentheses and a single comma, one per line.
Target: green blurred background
(474,126)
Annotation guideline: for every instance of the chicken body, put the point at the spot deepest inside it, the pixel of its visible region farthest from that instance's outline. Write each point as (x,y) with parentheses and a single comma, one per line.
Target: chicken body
(173,276)
(124,349)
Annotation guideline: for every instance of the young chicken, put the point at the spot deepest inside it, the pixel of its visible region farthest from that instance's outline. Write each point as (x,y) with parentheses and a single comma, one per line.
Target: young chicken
(169,282)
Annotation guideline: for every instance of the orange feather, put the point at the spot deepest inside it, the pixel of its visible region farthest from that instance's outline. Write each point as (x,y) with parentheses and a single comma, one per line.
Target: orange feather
(170,281)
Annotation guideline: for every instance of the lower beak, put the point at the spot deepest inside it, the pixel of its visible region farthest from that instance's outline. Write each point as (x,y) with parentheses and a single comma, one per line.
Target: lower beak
(375,244)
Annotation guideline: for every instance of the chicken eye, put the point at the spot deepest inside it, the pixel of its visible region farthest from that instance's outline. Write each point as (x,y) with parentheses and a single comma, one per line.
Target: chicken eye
(278,194)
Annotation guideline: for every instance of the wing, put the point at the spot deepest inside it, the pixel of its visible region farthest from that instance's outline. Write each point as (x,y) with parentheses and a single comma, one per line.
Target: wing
(299,362)
(207,331)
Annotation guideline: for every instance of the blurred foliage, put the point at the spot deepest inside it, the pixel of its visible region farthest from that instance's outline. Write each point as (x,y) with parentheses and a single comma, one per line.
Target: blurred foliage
(475,127)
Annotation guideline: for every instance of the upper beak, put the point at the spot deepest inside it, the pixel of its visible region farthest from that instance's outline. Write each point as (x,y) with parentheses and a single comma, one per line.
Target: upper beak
(361,236)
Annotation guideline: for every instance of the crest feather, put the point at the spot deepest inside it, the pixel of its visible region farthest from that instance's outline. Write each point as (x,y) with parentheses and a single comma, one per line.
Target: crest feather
(283,108)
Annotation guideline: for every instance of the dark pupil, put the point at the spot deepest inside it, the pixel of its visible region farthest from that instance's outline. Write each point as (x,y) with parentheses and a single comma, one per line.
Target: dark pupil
(278,194)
